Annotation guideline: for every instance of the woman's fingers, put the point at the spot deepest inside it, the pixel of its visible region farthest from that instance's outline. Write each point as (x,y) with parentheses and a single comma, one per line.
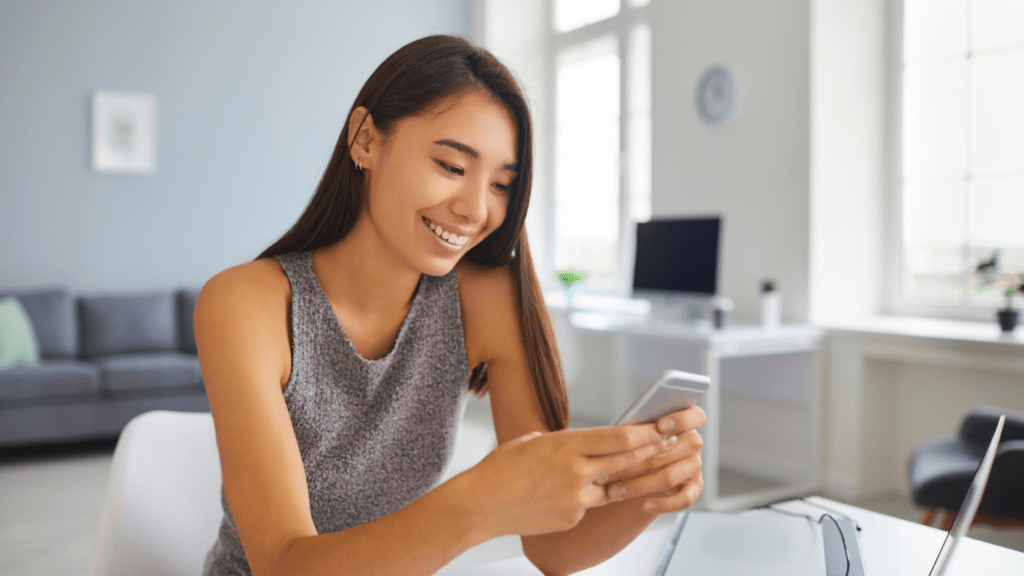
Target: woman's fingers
(686,445)
(607,468)
(668,477)
(682,424)
(676,422)
(680,499)
(615,439)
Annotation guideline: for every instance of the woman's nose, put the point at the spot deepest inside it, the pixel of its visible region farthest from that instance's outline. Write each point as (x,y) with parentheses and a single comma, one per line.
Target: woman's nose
(471,201)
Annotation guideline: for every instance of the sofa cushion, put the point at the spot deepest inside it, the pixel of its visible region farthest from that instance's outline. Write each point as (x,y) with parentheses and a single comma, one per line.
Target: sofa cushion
(18,344)
(186,308)
(53,318)
(149,371)
(49,379)
(135,322)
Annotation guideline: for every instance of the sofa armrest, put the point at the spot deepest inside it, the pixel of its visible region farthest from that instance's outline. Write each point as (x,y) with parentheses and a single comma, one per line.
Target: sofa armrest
(186,303)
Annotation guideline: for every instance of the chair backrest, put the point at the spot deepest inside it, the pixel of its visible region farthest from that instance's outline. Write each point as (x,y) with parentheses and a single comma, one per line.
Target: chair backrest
(162,508)
(979,424)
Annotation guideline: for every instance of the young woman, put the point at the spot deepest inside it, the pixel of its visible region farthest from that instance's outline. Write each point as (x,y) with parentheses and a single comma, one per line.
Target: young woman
(338,361)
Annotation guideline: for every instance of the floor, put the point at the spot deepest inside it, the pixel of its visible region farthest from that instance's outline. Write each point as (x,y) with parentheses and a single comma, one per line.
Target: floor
(50,501)
(50,507)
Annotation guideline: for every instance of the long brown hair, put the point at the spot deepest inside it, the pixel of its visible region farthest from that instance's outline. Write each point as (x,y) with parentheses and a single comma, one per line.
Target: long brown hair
(409,82)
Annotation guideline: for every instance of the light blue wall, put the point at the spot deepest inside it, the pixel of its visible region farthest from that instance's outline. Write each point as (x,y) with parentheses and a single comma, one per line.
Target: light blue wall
(251,96)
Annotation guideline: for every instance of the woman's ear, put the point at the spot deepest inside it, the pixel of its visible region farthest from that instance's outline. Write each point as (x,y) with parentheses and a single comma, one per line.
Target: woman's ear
(364,140)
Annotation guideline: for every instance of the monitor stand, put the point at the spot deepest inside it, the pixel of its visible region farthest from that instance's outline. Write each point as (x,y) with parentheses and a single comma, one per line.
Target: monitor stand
(677,309)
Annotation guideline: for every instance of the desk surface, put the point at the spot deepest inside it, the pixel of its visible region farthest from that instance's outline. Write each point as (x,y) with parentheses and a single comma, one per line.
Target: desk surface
(889,546)
(694,331)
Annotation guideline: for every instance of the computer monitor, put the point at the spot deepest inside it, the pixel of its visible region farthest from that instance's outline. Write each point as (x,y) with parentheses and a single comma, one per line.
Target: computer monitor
(676,264)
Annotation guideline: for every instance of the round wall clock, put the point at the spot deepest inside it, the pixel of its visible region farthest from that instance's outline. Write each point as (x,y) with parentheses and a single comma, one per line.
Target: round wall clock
(716,96)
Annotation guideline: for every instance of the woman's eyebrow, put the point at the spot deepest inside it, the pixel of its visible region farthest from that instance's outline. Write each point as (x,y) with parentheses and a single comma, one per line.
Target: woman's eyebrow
(470,151)
(464,148)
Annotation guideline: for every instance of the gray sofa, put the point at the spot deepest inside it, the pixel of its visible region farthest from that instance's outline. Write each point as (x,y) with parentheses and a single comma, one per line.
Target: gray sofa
(105,358)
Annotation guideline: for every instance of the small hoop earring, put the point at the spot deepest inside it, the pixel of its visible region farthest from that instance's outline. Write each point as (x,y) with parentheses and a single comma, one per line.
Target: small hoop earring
(359,165)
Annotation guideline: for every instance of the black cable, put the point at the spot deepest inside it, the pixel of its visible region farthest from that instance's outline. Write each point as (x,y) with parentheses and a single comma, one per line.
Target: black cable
(837,513)
(842,537)
(846,550)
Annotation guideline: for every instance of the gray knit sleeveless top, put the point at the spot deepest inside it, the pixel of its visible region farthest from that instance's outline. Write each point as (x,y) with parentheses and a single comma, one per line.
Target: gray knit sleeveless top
(374,434)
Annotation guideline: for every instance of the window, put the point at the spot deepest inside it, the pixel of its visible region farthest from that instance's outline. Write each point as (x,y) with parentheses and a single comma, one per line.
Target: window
(962,168)
(600,58)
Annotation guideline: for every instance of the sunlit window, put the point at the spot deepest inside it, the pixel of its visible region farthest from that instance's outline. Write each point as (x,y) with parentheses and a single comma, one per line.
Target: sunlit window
(587,157)
(572,14)
(602,135)
(962,185)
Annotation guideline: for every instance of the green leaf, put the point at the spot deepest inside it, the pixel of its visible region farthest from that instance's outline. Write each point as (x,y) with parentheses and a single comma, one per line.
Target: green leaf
(570,277)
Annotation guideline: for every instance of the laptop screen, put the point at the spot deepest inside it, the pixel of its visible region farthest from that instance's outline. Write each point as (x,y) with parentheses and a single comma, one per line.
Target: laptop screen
(970,505)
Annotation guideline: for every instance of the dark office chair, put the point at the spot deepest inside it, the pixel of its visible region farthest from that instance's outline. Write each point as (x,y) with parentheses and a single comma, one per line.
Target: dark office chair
(941,470)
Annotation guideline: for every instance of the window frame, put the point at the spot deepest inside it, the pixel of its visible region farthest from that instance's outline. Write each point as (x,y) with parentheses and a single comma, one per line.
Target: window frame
(619,26)
(896,301)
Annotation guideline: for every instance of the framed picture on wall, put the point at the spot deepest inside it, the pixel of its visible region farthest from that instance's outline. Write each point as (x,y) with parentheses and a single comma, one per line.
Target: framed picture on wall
(123,132)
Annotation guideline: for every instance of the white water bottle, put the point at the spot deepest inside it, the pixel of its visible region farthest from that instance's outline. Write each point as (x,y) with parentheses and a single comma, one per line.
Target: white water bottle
(771,305)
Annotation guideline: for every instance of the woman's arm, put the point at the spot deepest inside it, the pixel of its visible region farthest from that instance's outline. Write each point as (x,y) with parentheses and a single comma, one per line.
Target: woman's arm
(242,335)
(668,480)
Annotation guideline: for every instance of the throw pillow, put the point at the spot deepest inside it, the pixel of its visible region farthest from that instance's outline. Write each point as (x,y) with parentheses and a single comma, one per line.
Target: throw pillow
(17,338)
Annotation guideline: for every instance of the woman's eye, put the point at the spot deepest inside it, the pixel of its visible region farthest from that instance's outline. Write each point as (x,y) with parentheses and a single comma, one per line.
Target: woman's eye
(503,188)
(452,169)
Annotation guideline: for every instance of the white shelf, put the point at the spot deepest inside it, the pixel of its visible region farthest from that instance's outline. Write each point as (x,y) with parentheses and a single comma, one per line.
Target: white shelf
(929,328)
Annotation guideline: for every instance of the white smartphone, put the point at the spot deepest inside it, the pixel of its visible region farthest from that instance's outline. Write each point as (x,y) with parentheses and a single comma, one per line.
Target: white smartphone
(674,390)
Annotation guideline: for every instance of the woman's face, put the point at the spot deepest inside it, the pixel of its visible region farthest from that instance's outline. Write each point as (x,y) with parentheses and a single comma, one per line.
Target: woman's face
(440,182)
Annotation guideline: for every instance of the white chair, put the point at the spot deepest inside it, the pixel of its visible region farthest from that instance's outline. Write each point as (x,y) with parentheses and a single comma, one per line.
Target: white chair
(162,507)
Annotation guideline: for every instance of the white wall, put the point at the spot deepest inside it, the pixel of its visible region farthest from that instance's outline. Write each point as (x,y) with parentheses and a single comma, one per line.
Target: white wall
(753,171)
(251,96)
(849,152)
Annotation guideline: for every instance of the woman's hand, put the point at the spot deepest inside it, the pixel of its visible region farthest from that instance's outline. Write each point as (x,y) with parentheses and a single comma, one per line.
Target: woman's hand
(545,482)
(671,480)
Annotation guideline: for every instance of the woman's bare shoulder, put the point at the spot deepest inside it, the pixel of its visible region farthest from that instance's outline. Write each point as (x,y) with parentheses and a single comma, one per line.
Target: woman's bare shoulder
(489,310)
(256,279)
(242,317)
(249,288)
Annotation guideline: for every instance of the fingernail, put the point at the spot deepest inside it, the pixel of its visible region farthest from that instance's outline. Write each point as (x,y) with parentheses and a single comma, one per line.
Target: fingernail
(602,480)
(650,506)
(616,492)
(669,442)
(666,426)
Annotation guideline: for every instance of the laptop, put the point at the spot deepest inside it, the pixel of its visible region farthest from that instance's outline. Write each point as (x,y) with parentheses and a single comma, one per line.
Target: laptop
(970,506)
(707,543)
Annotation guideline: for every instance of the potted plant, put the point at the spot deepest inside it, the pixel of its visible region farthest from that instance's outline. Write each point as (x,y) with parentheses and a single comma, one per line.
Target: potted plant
(571,280)
(1011,283)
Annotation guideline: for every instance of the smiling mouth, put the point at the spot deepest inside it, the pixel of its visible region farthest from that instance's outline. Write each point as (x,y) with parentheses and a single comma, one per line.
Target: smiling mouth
(450,238)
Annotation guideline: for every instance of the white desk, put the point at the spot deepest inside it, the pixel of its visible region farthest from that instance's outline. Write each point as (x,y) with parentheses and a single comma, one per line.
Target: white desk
(889,547)
(779,367)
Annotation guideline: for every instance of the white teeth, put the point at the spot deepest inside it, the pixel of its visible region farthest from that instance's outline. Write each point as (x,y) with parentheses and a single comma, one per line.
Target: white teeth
(453,239)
